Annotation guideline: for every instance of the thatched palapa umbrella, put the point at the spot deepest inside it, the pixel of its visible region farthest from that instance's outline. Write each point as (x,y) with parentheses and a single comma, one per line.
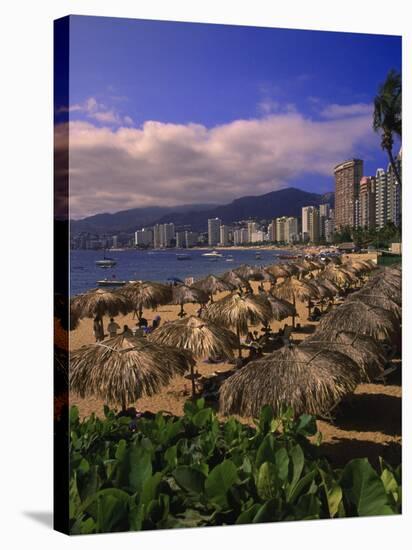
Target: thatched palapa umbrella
(294,289)
(382,287)
(355,316)
(125,368)
(250,273)
(146,295)
(307,379)
(97,303)
(363,350)
(237,311)
(183,294)
(236,280)
(338,275)
(372,298)
(212,284)
(201,337)
(278,271)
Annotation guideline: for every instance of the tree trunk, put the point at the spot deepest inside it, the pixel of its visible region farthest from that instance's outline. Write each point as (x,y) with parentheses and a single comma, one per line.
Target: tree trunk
(393,165)
(293,316)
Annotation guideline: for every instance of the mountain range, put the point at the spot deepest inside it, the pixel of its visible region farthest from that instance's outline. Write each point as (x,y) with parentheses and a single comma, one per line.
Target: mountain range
(285,202)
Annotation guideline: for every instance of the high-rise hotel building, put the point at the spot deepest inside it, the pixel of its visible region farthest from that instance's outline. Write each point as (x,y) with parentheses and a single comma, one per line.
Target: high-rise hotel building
(347,179)
(213,230)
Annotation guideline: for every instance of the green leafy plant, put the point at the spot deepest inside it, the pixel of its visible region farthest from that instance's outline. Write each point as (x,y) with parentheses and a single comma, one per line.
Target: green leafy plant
(168,472)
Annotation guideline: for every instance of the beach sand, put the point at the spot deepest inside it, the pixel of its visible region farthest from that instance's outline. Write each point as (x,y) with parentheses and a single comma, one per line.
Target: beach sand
(368,423)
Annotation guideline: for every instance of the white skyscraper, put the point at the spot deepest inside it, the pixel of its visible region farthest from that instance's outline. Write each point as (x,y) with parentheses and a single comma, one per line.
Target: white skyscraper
(143,237)
(213,230)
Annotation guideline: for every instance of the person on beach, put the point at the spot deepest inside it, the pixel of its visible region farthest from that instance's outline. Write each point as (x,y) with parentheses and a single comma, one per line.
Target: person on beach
(156,322)
(127,331)
(112,328)
(97,329)
(142,322)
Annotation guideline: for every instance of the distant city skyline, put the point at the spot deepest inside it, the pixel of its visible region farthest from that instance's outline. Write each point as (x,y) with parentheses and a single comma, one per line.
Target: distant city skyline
(165,113)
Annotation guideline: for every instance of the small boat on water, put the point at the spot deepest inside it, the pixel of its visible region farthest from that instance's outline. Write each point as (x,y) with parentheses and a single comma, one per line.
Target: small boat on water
(229,258)
(258,256)
(183,257)
(106,262)
(214,255)
(110,282)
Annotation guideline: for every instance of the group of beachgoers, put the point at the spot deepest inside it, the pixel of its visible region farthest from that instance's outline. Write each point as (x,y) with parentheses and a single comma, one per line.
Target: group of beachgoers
(142,328)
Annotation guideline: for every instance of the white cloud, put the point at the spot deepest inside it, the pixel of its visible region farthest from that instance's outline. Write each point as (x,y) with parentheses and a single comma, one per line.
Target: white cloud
(340,111)
(114,169)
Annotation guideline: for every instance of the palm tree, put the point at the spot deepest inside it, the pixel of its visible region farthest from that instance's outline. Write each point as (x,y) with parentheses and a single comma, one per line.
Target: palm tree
(387,115)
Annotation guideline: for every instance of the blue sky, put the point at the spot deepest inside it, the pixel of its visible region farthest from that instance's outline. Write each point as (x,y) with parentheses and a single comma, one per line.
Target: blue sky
(144,91)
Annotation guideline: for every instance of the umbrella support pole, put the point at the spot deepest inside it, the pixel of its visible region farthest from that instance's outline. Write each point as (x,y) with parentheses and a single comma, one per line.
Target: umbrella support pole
(239,344)
(192,377)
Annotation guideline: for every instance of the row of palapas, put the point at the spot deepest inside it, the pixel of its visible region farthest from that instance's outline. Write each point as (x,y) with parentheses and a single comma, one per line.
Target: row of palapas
(312,377)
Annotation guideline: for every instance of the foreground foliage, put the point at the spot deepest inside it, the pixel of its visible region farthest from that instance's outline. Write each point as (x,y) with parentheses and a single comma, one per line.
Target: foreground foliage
(169,472)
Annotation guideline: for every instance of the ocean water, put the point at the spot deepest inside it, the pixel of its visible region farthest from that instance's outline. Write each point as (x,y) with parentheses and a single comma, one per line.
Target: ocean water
(158,265)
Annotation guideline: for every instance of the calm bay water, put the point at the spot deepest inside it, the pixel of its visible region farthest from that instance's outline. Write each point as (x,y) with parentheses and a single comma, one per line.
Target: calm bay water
(158,265)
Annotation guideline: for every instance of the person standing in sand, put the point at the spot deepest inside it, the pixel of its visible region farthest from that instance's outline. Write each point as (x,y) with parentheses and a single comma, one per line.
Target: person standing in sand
(112,328)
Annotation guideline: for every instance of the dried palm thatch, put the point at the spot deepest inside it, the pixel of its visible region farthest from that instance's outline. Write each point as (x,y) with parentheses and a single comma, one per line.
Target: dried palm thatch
(199,336)
(292,269)
(146,295)
(281,309)
(236,280)
(294,289)
(322,290)
(328,284)
(355,316)
(363,350)
(384,288)
(372,298)
(125,368)
(278,271)
(238,311)
(338,275)
(97,303)
(183,294)
(212,284)
(250,273)
(308,379)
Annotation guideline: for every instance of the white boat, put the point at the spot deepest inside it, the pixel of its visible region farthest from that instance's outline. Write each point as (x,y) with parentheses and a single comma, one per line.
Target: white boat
(229,258)
(183,257)
(214,255)
(110,282)
(106,262)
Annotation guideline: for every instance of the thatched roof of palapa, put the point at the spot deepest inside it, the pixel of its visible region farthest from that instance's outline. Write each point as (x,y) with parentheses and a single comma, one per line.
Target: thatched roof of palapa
(124,368)
(355,316)
(277,271)
(250,272)
(236,280)
(371,297)
(322,290)
(334,288)
(338,275)
(308,379)
(293,289)
(200,336)
(238,311)
(366,352)
(183,294)
(281,309)
(212,284)
(384,288)
(99,302)
(147,294)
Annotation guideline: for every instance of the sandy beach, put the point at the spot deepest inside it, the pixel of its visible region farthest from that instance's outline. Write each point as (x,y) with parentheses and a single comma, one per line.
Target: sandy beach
(368,423)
